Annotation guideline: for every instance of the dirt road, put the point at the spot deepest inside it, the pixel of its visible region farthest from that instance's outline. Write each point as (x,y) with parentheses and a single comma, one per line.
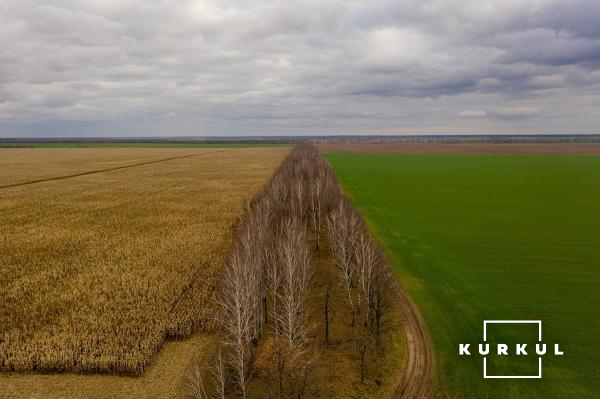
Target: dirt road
(417,380)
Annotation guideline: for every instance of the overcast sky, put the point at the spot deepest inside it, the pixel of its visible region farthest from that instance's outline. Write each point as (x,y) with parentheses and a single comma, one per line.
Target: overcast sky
(150,67)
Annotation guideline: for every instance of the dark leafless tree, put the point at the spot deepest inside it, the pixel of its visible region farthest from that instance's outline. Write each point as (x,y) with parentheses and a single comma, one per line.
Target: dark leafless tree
(383,294)
(328,276)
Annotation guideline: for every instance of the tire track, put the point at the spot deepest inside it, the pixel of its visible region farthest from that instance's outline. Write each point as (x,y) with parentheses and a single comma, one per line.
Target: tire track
(417,379)
(91,172)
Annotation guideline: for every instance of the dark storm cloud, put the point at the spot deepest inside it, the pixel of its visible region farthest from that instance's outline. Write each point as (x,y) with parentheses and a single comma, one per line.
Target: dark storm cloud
(108,67)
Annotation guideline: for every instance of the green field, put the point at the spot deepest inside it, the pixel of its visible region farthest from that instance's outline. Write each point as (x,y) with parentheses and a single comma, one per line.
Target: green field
(106,144)
(484,237)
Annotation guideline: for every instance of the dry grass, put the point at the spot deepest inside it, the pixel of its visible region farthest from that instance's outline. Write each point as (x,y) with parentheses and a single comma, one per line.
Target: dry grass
(96,270)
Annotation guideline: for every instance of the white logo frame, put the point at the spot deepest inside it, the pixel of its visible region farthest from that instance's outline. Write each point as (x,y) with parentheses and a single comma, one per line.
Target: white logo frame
(486,322)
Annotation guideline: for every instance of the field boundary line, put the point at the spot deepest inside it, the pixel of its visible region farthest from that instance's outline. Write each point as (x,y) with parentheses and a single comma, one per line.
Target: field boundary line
(91,172)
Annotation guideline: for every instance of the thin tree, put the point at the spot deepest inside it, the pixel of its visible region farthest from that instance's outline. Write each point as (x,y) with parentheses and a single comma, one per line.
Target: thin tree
(291,336)
(341,229)
(193,384)
(237,316)
(317,194)
(383,293)
(218,375)
(366,257)
(328,276)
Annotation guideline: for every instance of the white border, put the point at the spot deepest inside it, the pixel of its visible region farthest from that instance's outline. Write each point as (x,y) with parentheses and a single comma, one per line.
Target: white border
(485,322)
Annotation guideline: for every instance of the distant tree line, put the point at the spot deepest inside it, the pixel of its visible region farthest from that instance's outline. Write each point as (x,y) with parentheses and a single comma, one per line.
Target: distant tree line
(325,139)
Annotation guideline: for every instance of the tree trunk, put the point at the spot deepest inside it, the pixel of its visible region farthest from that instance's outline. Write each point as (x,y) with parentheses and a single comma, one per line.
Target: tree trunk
(280,368)
(303,387)
(363,353)
(327,296)
(265,309)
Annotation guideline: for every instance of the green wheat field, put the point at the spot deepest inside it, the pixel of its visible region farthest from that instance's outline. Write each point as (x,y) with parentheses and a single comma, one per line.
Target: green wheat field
(485,237)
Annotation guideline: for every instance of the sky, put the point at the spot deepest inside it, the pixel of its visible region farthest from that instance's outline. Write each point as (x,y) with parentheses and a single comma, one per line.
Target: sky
(247,67)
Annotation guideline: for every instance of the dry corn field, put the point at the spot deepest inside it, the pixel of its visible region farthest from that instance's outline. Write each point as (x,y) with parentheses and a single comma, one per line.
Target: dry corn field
(25,165)
(98,269)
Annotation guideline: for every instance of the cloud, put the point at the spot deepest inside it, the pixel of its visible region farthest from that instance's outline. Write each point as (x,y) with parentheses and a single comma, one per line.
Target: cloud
(517,112)
(104,67)
(473,113)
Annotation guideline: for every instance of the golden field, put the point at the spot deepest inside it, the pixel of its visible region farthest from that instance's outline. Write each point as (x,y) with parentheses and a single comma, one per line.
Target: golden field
(97,270)
(24,165)
(164,378)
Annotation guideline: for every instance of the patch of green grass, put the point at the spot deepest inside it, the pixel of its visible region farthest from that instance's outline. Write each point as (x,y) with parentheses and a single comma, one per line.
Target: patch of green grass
(56,144)
(504,237)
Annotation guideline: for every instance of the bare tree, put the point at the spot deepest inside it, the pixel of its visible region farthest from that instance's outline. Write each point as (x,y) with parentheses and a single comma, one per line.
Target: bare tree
(238,312)
(342,225)
(366,253)
(255,237)
(291,333)
(367,258)
(193,383)
(274,277)
(383,293)
(328,276)
(362,345)
(298,190)
(269,273)
(317,195)
(218,375)
(365,273)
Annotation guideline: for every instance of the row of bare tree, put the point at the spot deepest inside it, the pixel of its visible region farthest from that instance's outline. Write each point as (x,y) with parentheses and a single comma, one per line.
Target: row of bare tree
(366,276)
(268,276)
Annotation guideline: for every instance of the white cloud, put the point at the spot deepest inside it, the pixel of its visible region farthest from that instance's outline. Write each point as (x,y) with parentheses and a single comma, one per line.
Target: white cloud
(473,113)
(94,67)
(518,112)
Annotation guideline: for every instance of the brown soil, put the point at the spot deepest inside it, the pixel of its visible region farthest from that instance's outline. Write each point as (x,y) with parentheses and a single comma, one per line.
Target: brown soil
(483,148)
(417,380)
